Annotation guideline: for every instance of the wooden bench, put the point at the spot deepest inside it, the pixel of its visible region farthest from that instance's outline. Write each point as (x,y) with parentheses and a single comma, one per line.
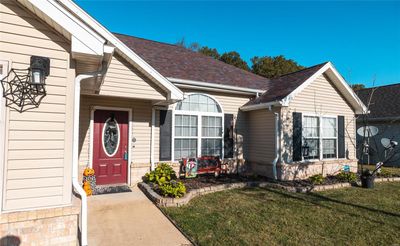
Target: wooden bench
(203,165)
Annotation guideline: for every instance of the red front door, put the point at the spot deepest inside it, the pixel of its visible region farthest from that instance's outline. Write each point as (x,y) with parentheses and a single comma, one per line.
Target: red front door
(110,146)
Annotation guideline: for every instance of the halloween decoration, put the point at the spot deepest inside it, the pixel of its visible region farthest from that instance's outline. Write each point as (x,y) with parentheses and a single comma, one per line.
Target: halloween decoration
(25,88)
(111,136)
(89,179)
(86,188)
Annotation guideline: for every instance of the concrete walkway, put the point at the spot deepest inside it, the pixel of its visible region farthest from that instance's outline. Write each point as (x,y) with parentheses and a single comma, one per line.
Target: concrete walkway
(129,219)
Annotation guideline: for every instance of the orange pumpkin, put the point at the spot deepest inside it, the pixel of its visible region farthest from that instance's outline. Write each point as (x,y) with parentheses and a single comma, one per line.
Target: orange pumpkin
(87,188)
(88,172)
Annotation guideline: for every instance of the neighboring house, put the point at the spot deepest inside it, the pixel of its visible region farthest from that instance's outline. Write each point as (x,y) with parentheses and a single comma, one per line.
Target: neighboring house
(121,104)
(385,115)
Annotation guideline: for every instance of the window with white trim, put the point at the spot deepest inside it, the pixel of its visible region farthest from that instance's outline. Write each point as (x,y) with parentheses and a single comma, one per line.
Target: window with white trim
(198,127)
(311,136)
(329,137)
(320,137)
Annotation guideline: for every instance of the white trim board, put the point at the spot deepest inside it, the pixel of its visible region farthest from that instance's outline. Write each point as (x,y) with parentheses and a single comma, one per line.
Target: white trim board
(184,83)
(91,135)
(83,39)
(6,65)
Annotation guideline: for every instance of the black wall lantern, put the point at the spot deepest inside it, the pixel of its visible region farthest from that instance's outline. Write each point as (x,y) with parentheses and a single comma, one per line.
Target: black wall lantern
(25,88)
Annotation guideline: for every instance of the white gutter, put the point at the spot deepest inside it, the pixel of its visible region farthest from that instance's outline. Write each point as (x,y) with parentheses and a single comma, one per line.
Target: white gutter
(75,156)
(277,148)
(213,86)
(261,106)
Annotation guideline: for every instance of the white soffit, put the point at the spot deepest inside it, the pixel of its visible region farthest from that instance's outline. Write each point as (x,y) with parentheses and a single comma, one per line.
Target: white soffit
(84,40)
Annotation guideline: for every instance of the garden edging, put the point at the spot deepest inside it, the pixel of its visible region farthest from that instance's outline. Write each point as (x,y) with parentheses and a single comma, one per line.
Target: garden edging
(176,202)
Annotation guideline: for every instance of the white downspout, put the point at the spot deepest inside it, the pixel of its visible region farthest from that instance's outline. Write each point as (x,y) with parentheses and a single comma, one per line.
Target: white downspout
(277,149)
(153,122)
(75,156)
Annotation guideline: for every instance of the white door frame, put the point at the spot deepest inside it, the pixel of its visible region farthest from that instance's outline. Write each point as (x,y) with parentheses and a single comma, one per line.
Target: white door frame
(91,135)
(6,66)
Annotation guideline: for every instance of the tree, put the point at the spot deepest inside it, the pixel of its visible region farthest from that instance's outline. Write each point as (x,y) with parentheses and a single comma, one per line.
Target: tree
(193,46)
(233,58)
(209,52)
(357,87)
(273,67)
(181,43)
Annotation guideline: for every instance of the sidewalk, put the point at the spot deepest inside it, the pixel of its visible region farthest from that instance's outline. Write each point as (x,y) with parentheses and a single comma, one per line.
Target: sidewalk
(129,219)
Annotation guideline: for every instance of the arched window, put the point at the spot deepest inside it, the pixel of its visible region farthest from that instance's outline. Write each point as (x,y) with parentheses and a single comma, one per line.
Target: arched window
(198,127)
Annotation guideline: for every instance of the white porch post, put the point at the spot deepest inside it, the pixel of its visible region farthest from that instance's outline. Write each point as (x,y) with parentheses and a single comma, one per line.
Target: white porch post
(153,122)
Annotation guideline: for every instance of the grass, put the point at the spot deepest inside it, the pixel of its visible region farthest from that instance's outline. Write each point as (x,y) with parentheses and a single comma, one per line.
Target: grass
(266,216)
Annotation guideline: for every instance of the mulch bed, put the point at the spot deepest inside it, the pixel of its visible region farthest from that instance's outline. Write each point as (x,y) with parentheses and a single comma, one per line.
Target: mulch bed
(207,180)
(203,181)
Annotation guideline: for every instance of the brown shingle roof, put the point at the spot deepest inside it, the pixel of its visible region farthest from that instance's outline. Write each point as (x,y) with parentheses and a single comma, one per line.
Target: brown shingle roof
(385,102)
(282,86)
(177,62)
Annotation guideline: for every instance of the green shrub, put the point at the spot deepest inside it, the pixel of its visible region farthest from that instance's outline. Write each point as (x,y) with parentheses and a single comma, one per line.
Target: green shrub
(385,173)
(172,189)
(347,177)
(163,173)
(317,179)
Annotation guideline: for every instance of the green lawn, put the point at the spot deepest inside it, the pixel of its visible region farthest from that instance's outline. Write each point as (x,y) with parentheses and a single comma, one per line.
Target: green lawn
(258,216)
(387,170)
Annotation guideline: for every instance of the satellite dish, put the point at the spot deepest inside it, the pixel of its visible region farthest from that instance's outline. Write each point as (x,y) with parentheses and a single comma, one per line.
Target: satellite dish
(367,131)
(386,142)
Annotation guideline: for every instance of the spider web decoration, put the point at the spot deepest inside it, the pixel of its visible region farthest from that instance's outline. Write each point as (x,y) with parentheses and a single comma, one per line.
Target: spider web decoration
(20,93)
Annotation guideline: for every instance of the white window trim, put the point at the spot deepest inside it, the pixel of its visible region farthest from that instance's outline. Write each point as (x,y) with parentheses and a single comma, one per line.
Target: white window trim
(199,115)
(320,117)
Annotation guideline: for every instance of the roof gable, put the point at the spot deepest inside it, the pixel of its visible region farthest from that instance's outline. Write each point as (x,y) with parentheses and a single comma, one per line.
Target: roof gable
(285,88)
(70,18)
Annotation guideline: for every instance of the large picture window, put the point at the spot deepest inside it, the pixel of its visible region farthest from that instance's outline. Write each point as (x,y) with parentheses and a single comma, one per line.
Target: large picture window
(320,137)
(198,127)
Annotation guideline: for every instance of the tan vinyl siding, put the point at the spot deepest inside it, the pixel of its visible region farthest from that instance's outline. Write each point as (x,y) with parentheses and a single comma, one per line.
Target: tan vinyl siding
(122,80)
(261,136)
(141,126)
(320,98)
(38,151)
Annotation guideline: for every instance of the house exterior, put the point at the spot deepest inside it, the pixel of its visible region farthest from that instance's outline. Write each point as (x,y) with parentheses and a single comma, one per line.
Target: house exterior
(122,104)
(385,115)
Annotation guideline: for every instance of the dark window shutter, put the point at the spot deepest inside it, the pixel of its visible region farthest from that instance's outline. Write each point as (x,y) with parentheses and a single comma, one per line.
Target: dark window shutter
(341,143)
(228,136)
(297,135)
(165,135)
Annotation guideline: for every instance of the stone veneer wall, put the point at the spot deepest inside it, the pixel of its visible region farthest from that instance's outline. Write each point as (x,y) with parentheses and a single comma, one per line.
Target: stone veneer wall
(305,169)
(52,226)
